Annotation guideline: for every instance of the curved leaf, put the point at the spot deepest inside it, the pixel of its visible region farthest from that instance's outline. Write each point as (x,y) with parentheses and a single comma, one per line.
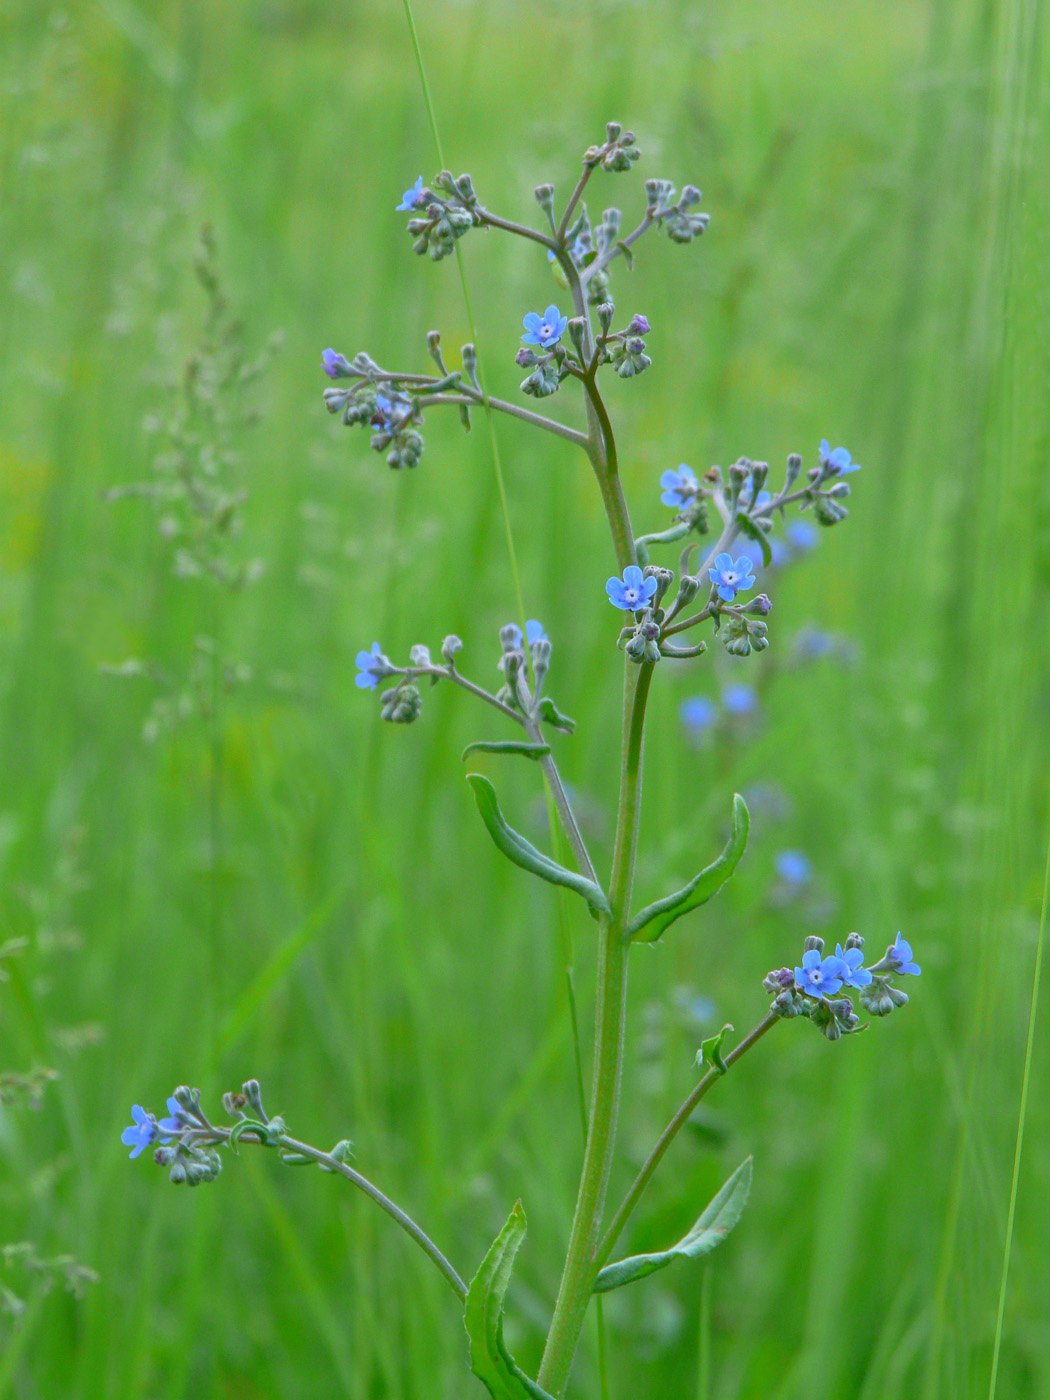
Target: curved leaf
(490,1360)
(536,751)
(649,923)
(523,853)
(755,532)
(547,712)
(710,1230)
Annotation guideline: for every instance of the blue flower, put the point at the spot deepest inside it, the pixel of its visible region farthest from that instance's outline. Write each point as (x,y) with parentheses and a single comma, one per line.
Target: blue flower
(545,330)
(368,671)
(731,576)
(577,252)
(812,643)
(142,1133)
(802,535)
(739,699)
(533,631)
(820,978)
(171,1125)
(633,591)
(413,198)
(851,959)
(679,486)
(763,499)
(900,952)
(838,462)
(336,366)
(793,867)
(698,714)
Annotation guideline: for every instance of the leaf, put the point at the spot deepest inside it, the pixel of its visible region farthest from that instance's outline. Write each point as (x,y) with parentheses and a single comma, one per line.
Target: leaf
(749,527)
(710,1230)
(548,713)
(536,751)
(523,853)
(710,1052)
(490,1360)
(625,249)
(663,913)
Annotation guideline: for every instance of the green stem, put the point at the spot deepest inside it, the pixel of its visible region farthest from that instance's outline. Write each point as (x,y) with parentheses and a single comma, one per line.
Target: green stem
(668,1135)
(579,1273)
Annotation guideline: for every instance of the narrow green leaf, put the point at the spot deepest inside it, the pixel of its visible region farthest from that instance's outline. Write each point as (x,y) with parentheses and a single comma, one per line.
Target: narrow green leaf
(649,923)
(490,1360)
(548,713)
(625,249)
(523,853)
(710,1052)
(536,751)
(710,1230)
(755,531)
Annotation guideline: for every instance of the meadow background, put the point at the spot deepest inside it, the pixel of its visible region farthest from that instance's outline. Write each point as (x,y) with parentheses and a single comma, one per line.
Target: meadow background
(876,272)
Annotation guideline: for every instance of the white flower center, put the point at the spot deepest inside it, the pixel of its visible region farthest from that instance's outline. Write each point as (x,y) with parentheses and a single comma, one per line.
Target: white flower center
(631,595)
(546,330)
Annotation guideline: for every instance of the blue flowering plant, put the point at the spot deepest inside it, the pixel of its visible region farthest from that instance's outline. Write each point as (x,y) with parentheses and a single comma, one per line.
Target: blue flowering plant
(719,534)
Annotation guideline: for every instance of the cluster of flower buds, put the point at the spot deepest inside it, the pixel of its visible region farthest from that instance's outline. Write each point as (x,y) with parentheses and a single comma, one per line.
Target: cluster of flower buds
(679,224)
(618,152)
(440,218)
(182,1139)
(374,401)
(812,989)
(624,349)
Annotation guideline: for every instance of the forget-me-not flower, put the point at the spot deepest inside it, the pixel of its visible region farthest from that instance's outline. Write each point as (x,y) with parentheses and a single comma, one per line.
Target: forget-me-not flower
(731,576)
(792,867)
(145,1130)
(533,631)
(851,959)
(739,699)
(413,198)
(365,661)
(386,409)
(679,486)
(901,953)
(820,977)
(336,366)
(698,714)
(545,330)
(839,461)
(802,535)
(633,591)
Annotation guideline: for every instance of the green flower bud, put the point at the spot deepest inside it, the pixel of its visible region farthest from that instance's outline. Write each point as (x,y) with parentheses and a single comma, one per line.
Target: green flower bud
(450,646)
(545,199)
(813,943)
(542,381)
(419,655)
(828,511)
(576,328)
(794,466)
(664,579)
(402,705)
(606,311)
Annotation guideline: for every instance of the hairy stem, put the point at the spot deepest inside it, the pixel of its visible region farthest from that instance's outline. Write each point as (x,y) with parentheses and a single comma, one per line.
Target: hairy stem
(611,997)
(508,225)
(549,425)
(668,1135)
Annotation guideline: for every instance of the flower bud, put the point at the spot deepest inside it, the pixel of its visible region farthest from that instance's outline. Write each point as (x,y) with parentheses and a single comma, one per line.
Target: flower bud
(778,979)
(794,466)
(526,358)
(786,1004)
(664,579)
(813,942)
(541,660)
(402,705)
(639,325)
(510,637)
(739,471)
(688,588)
(606,312)
(419,655)
(840,490)
(469,357)
(760,606)
(465,189)
(545,199)
(612,131)
(450,646)
(433,340)
(853,940)
(690,195)
(577,327)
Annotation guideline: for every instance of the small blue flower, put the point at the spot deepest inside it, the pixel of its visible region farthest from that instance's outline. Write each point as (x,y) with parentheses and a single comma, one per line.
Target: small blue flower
(368,672)
(811,644)
(142,1133)
(633,591)
(679,486)
(851,959)
(336,366)
(387,411)
(802,535)
(901,953)
(792,867)
(533,631)
(545,330)
(820,978)
(577,252)
(171,1125)
(731,576)
(839,461)
(413,198)
(698,714)
(739,699)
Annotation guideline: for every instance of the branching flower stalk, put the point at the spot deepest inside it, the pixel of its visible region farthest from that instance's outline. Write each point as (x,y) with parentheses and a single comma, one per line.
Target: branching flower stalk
(657,611)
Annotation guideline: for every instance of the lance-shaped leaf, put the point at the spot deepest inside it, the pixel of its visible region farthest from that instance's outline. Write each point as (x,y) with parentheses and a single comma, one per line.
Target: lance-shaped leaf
(751,528)
(523,853)
(649,923)
(506,746)
(710,1230)
(654,919)
(490,1360)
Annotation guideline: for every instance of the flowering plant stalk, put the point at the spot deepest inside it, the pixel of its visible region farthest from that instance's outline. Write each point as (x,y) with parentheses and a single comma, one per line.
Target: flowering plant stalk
(658,606)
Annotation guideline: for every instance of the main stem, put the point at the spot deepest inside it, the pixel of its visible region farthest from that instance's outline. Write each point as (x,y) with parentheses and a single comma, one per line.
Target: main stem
(578,1276)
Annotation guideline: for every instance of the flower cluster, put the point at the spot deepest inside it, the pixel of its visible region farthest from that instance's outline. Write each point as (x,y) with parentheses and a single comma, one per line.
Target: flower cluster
(441,218)
(812,989)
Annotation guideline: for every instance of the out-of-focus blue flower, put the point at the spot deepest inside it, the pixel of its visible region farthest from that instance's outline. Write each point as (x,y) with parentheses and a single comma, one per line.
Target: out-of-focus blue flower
(413,198)
(802,535)
(838,461)
(533,631)
(679,486)
(633,591)
(811,644)
(698,714)
(763,498)
(141,1133)
(740,699)
(820,977)
(793,867)
(387,410)
(851,959)
(545,330)
(368,673)
(779,554)
(577,252)
(731,576)
(336,366)
(901,953)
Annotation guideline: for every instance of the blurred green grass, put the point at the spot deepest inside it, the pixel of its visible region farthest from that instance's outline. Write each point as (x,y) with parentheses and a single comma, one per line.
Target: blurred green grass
(876,272)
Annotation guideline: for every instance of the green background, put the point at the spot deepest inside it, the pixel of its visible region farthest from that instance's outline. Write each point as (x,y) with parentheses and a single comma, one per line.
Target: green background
(875,272)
